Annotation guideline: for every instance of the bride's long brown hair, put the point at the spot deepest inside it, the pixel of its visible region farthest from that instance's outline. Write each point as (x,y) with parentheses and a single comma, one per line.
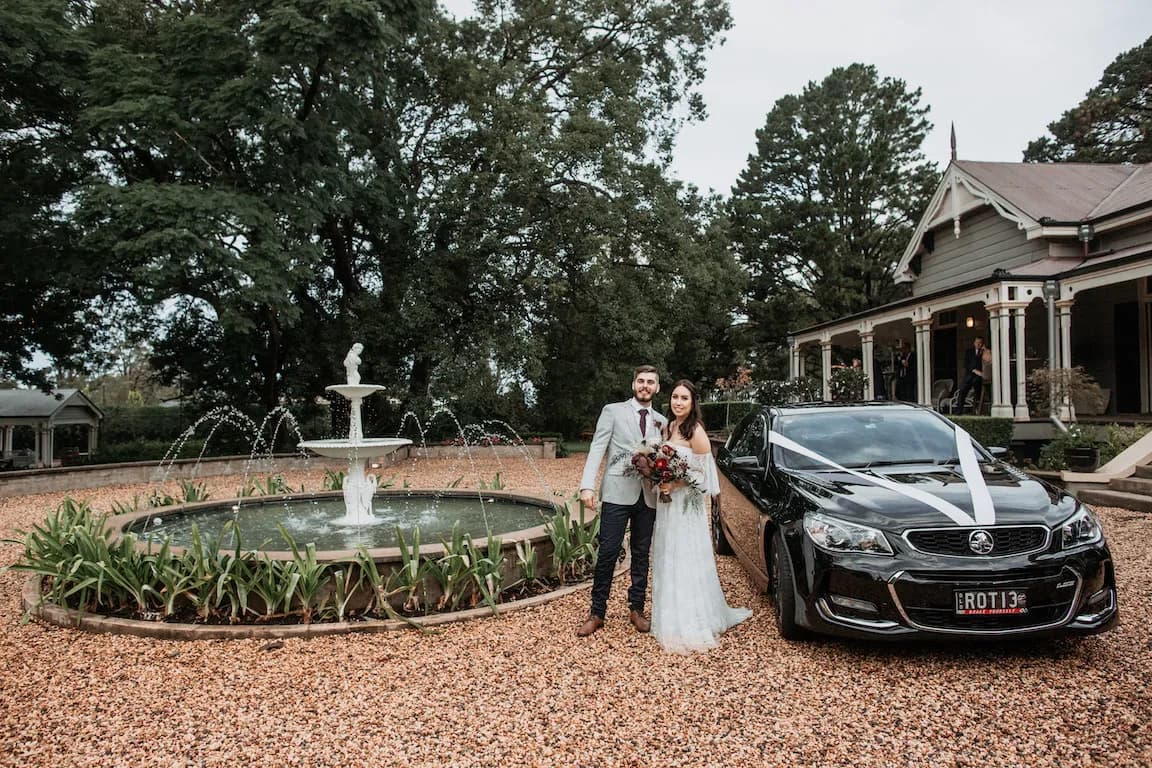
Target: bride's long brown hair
(695,415)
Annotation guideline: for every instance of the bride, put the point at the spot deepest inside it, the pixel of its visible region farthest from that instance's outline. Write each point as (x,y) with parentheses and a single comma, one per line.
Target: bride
(688,607)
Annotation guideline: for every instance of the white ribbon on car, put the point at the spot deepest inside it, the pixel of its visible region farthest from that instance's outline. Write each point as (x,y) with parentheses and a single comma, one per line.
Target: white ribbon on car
(983,512)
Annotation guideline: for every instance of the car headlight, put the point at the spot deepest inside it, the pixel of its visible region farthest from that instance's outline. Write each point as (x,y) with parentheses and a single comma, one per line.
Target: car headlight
(837,535)
(1082,528)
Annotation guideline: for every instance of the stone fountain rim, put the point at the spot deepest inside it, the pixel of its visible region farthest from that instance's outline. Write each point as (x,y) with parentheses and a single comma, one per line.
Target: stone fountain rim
(116,525)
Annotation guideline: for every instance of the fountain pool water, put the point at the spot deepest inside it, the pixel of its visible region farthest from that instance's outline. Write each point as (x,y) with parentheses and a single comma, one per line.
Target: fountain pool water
(317,519)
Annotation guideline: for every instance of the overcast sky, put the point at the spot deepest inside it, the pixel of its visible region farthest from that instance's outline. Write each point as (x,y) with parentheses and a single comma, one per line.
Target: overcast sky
(1001,70)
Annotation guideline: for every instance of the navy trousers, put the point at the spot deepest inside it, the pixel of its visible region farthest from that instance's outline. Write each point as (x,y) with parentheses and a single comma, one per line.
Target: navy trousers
(614,519)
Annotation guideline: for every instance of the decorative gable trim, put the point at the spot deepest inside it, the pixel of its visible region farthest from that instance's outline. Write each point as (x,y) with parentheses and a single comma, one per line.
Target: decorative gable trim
(958,194)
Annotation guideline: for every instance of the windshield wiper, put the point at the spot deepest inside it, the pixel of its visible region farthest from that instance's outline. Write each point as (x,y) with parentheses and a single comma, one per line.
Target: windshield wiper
(890,463)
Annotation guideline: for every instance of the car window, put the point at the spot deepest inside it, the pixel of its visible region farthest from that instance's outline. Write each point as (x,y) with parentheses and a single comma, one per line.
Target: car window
(856,438)
(750,442)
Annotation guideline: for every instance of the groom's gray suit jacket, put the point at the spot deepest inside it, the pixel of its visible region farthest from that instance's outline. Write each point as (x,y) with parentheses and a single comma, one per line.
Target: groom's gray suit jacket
(617,433)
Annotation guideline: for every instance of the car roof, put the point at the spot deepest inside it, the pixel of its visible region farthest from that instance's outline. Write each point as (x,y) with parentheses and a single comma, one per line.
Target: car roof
(797,408)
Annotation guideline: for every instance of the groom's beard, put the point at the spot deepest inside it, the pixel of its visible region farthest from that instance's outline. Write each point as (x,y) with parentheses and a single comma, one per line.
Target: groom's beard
(643,399)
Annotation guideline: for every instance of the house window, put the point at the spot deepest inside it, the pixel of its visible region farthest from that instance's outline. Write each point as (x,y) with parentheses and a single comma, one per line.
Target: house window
(946,319)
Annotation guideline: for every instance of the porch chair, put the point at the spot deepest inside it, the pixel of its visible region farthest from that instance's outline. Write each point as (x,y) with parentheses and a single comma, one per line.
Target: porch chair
(942,394)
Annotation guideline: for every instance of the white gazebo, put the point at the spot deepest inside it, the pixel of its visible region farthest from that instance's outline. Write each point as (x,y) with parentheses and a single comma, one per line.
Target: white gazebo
(43,412)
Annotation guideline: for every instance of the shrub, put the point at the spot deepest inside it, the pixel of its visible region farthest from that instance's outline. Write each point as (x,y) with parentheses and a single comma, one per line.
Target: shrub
(847,384)
(806,389)
(1118,438)
(143,449)
(1068,383)
(987,431)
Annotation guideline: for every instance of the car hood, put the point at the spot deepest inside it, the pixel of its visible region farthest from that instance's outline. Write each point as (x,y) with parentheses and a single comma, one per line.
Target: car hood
(1016,498)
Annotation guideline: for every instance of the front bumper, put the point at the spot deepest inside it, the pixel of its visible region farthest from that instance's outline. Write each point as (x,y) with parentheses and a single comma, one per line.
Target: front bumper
(908,596)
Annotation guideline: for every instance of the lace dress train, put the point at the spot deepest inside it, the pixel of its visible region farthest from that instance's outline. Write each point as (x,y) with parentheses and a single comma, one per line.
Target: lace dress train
(689,611)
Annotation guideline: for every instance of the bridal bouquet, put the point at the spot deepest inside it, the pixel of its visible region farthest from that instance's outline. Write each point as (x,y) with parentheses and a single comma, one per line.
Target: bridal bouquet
(659,463)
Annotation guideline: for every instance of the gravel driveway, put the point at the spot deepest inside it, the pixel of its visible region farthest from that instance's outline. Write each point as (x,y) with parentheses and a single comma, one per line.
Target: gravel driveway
(523,690)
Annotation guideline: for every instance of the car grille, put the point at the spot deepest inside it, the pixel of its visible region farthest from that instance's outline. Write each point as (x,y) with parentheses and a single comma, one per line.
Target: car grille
(1007,540)
(927,599)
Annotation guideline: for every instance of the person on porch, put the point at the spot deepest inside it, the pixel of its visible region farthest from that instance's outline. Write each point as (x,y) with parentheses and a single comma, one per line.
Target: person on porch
(973,374)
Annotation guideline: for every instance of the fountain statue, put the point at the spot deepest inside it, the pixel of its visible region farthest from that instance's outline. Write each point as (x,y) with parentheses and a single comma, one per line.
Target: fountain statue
(359,486)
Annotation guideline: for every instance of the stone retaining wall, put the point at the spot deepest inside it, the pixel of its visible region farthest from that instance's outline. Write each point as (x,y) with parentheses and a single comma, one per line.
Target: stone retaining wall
(63,479)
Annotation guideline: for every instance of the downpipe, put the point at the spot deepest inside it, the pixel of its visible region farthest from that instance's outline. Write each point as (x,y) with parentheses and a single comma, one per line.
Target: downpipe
(1051,288)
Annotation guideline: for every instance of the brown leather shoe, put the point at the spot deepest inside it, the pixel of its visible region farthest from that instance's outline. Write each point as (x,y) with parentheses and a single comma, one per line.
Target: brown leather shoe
(642,624)
(590,625)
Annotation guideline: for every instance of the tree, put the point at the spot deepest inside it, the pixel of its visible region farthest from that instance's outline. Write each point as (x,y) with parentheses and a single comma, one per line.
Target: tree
(826,204)
(46,284)
(1113,124)
(277,180)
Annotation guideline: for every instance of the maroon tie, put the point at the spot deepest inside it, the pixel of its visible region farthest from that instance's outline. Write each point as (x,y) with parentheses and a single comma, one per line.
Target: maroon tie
(643,422)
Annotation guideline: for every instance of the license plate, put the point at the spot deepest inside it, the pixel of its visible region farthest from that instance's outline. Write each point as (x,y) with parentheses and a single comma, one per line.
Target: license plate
(991,602)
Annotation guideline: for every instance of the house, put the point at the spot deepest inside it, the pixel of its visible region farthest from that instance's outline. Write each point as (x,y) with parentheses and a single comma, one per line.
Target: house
(32,417)
(1001,248)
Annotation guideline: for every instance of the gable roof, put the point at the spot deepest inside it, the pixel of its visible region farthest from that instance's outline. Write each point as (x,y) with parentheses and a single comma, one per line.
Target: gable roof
(34,404)
(1067,192)
(1043,199)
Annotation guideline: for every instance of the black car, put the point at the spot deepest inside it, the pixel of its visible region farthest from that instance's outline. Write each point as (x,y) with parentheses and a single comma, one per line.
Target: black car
(883,520)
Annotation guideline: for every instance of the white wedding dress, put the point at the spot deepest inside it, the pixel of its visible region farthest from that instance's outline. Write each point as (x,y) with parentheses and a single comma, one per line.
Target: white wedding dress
(688,607)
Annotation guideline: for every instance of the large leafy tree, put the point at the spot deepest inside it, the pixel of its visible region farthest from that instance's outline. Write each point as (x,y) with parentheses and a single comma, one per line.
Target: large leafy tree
(46,284)
(827,202)
(277,179)
(1113,124)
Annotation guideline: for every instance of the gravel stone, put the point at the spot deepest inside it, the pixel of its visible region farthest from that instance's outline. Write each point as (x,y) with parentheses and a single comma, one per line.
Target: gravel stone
(523,690)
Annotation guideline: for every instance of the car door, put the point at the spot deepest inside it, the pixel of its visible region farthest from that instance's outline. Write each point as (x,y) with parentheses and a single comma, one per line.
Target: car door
(742,466)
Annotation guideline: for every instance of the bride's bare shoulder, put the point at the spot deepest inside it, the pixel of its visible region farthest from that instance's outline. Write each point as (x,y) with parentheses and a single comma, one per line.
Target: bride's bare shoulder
(700,442)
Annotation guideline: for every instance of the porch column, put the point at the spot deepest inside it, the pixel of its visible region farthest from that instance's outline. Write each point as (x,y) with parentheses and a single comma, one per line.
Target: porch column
(1001,377)
(1020,413)
(38,435)
(866,352)
(46,443)
(93,438)
(826,367)
(923,331)
(1064,309)
(6,440)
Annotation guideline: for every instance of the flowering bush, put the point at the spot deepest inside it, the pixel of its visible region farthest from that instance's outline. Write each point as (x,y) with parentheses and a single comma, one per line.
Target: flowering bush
(847,384)
(736,386)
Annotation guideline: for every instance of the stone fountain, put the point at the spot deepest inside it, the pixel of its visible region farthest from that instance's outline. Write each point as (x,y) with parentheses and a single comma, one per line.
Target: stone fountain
(359,485)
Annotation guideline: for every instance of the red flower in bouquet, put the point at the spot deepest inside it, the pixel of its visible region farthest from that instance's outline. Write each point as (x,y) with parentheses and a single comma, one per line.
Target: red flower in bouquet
(659,464)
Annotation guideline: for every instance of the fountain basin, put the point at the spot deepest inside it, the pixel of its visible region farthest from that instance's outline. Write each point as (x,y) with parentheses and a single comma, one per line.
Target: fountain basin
(514,518)
(364,448)
(310,517)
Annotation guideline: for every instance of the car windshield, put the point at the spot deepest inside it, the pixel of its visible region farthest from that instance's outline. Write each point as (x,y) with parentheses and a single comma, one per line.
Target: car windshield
(866,437)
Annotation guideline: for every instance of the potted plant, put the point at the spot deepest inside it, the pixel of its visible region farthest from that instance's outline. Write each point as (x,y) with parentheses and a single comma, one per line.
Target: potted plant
(1075,449)
(1067,385)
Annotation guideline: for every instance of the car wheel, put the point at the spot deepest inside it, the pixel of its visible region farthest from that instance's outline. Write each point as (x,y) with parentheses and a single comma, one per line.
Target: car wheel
(720,543)
(784,591)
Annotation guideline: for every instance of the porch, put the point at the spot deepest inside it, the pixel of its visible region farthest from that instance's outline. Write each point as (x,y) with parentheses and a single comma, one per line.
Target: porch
(1097,316)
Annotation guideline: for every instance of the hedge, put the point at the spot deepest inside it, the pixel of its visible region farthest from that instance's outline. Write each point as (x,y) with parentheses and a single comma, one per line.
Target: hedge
(989,431)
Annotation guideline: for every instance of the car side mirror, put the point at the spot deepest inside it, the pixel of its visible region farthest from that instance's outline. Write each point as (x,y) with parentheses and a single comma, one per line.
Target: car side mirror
(998,452)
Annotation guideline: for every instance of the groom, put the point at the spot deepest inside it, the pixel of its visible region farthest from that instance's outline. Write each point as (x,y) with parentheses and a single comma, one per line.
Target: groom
(627,500)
